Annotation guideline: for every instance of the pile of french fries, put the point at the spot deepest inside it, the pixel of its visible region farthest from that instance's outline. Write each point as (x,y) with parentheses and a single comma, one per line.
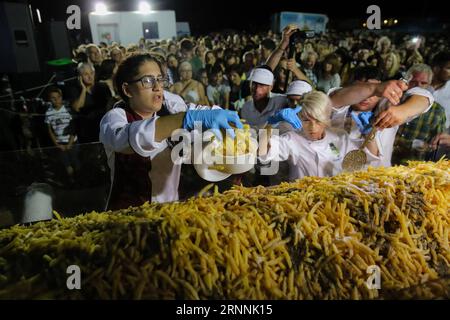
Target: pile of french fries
(316,238)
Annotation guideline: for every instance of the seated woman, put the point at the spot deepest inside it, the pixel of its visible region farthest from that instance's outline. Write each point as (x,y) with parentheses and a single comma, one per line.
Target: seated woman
(313,148)
(191,90)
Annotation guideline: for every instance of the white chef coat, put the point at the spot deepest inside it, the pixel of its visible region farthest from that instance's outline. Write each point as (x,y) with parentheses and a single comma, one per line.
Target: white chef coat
(319,158)
(384,138)
(442,96)
(117,135)
(258,119)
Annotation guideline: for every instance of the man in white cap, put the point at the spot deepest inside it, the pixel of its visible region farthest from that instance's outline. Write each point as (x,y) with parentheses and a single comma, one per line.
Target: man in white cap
(263,103)
(296,90)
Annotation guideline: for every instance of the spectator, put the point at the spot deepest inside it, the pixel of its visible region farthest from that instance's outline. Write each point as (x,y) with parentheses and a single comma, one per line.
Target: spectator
(441,82)
(200,51)
(204,77)
(88,103)
(414,137)
(94,55)
(280,77)
(249,63)
(391,66)
(328,76)
(383,46)
(191,90)
(240,89)
(117,55)
(218,93)
(61,131)
(172,68)
(172,48)
(104,89)
(210,60)
(267,46)
(187,54)
(309,67)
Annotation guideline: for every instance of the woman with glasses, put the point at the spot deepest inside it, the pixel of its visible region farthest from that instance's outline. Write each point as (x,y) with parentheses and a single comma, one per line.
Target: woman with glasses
(133,133)
(190,89)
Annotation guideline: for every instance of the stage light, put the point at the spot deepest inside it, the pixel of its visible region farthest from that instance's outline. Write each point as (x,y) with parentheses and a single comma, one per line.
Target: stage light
(100,8)
(144,7)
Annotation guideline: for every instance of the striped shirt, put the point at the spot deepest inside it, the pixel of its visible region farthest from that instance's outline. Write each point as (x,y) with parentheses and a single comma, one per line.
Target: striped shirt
(60,121)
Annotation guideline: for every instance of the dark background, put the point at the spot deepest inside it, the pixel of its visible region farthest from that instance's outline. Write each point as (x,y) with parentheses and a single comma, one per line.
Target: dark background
(252,15)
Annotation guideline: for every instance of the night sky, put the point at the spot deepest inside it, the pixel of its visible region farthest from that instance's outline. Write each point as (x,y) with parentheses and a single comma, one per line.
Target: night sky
(251,15)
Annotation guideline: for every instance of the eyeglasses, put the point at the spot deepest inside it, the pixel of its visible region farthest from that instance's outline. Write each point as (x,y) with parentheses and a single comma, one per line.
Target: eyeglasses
(149,82)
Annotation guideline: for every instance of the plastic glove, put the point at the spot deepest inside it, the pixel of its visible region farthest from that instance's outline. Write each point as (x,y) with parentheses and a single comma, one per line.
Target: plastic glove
(362,120)
(289,115)
(213,119)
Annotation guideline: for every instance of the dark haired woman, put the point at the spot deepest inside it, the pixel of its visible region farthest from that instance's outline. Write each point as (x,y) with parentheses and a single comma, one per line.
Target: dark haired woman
(132,133)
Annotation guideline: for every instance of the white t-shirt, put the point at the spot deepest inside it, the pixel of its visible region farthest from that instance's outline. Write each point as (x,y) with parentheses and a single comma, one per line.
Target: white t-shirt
(384,138)
(60,121)
(216,94)
(442,96)
(321,158)
(258,119)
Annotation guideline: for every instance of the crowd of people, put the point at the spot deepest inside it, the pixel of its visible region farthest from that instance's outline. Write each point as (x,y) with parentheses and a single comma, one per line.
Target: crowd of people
(324,100)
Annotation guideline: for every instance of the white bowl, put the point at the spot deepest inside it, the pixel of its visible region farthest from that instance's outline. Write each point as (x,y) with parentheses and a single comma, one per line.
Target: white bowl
(229,164)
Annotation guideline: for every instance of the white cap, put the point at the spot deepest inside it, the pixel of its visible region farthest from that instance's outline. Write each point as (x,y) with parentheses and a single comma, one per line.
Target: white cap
(262,76)
(298,88)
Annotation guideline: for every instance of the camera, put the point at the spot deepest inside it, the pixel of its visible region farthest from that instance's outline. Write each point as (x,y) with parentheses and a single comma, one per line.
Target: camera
(301,35)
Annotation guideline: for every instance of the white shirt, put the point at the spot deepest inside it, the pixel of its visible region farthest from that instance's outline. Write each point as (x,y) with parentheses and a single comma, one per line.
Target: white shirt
(319,158)
(442,96)
(115,132)
(384,138)
(258,119)
(60,121)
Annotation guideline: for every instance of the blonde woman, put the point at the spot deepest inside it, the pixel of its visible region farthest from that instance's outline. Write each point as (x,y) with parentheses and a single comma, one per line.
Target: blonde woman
(313,148)
(391,66)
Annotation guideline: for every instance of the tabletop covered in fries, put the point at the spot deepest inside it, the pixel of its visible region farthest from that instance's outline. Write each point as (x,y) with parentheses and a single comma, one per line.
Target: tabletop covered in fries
(315,238)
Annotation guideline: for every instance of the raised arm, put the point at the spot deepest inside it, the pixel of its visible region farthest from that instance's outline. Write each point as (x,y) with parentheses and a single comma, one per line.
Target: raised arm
(392,90)
(277,54)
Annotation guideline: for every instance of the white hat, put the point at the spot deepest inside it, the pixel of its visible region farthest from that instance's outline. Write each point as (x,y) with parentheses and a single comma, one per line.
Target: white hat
(262,76)
(298,88)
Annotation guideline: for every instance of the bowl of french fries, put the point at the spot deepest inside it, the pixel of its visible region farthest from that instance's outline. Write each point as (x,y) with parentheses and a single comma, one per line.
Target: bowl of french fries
(222,158)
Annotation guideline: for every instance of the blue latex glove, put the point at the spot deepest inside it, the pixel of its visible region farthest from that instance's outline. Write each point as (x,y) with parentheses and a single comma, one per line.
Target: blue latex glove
(213,119)
(362,120)
(289,115)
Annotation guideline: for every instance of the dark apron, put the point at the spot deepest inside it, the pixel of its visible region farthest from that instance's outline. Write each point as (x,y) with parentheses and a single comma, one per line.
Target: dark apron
(131,183)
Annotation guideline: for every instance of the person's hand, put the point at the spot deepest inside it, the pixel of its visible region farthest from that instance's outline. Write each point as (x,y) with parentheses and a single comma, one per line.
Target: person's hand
(213,119)
(61,147)
(69,146)
(287,32)
(442,139)
(362,120)
(291,65)
(289,115)
(392,90)
(389,118)
(82,85)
